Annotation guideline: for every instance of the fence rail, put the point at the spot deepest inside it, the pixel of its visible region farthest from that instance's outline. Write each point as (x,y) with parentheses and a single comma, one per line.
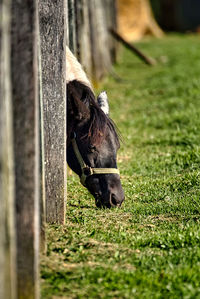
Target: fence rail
(33,121)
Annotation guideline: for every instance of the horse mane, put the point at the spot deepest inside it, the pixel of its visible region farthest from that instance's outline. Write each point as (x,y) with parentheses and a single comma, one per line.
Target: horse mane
(99,122)
(74,70)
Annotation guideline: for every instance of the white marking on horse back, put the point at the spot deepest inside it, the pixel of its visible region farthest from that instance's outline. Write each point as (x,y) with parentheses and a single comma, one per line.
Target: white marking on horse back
(102,100)
(74,70)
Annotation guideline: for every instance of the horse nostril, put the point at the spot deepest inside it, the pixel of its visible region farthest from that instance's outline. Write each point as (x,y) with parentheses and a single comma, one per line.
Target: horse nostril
(113,201)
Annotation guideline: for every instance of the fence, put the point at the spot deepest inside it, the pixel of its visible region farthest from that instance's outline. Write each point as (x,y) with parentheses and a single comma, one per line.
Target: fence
(33,37)
(89,37)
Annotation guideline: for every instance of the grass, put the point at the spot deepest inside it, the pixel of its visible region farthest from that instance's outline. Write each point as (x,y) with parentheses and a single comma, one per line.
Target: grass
(149,248)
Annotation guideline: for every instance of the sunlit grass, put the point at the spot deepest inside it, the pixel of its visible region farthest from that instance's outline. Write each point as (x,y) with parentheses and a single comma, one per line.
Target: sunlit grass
(149,248)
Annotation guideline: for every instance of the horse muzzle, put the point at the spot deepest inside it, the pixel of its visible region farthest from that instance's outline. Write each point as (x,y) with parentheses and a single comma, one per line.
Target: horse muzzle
(110,199)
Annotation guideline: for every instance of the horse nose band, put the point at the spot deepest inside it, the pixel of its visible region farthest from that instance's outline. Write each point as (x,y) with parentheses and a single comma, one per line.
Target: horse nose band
(86,170)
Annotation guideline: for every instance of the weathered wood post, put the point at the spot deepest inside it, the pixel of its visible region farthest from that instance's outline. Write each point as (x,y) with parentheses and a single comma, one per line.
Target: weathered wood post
(72,25)
(83,36)
(24,73)
(110,8)
(101,59)
(42,164)
(7,221)
(52,15)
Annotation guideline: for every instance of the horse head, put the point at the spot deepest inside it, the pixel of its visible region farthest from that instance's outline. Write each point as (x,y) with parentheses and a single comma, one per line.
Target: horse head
(92,144)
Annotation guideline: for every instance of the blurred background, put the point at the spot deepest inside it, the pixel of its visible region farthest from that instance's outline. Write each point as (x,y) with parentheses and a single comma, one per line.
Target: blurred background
(177,15)
(89,24)
(137,18)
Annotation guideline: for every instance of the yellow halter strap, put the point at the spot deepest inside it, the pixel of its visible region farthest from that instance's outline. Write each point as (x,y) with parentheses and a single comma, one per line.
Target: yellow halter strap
(87,170)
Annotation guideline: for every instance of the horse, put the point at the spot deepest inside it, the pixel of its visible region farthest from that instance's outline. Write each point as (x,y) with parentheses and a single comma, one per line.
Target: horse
(92,139)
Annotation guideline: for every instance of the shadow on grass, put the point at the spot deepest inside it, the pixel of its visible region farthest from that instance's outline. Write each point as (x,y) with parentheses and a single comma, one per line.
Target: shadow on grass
(81,206)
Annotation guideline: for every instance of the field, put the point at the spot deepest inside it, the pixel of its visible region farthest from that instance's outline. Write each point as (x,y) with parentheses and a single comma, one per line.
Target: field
(150,247)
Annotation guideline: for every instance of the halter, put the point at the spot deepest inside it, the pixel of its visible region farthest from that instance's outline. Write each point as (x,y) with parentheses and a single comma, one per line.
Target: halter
(87,170)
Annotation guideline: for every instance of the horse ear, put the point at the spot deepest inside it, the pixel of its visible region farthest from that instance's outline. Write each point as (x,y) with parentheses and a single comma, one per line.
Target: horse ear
(81,111)
(76,106)
(102,100)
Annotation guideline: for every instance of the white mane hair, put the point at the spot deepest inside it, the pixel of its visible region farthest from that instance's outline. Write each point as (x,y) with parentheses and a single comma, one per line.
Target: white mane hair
(74,70)
(102,100)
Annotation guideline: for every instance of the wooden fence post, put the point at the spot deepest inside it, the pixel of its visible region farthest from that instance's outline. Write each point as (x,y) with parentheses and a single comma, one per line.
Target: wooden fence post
(42,157)
(52,15)
(72,25)
(99,39)
(83,36)
(7,221)
(24,72)
(90,40)
(110,8)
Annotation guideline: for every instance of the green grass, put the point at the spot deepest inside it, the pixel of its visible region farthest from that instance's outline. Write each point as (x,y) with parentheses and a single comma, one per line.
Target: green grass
(149,248)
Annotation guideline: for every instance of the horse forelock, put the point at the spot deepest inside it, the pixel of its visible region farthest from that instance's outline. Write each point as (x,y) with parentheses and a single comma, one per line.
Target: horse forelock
(99,123)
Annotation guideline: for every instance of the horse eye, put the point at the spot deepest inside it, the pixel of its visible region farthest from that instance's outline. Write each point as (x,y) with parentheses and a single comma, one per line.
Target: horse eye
(92,148)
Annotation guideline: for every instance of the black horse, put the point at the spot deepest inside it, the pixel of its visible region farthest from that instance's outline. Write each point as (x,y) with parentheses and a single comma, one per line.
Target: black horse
(92,144)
